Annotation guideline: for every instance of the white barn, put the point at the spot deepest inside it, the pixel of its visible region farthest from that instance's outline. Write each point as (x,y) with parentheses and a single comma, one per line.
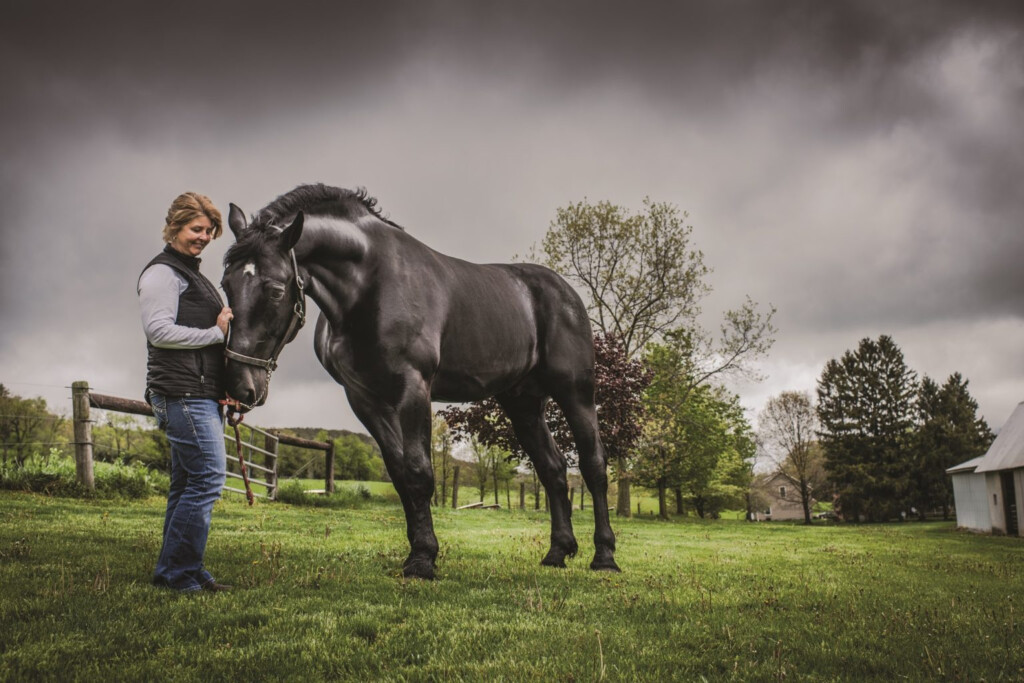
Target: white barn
(988,490)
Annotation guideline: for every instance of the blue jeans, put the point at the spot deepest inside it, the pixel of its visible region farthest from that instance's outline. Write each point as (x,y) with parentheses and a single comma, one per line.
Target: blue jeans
(198,469)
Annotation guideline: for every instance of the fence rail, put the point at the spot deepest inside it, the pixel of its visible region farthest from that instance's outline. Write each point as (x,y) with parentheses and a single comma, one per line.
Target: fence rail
(83,400)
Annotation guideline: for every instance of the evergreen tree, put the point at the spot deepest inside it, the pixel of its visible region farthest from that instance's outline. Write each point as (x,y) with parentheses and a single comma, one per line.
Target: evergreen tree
(867,411)
(950,433)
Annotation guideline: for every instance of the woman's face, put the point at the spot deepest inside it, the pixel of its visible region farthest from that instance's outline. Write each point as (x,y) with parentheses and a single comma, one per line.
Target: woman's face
(194,237)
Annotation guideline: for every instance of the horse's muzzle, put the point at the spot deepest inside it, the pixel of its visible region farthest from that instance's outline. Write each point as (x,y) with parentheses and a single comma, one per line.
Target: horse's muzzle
(246,388)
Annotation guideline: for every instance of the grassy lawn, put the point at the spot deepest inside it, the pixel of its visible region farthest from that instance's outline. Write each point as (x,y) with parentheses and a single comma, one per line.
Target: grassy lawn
(319,596)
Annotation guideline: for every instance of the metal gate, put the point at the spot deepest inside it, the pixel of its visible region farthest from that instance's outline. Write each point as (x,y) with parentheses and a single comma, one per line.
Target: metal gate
(269,459)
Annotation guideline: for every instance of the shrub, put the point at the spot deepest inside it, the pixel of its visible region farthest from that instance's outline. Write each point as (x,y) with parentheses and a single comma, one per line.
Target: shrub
(293,493)
(127,481)
(54,475)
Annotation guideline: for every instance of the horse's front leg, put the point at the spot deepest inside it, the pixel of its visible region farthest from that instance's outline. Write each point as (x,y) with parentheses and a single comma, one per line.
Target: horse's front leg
(403,433)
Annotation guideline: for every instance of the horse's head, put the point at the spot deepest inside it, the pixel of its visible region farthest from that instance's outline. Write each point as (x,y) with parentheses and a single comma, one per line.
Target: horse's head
(265,292)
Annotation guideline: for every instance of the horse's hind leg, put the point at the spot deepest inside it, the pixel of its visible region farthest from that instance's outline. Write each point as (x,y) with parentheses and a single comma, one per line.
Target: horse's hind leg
(582,418)
(403,434)
(527,416)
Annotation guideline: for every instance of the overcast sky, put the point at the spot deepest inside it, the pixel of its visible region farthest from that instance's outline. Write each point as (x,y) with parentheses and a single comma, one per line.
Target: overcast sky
(856,164)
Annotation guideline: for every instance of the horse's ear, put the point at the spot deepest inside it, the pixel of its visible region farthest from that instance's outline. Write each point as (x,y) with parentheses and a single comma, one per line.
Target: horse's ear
(290,235)
(236,221)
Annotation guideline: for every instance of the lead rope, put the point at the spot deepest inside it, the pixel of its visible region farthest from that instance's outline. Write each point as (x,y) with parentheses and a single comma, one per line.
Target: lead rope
(234,419)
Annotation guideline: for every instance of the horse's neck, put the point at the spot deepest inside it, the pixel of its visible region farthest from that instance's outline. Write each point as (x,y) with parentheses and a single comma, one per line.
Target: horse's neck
(330,252)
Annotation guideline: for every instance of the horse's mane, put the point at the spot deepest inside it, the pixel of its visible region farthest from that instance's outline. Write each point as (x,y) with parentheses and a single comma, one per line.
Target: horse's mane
(321,200)
(315,200)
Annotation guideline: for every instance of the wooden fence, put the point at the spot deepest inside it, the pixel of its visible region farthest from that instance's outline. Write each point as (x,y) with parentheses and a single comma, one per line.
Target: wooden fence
(83,400)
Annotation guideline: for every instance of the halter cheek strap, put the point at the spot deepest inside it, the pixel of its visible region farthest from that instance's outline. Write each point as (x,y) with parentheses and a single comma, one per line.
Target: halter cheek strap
(294,325)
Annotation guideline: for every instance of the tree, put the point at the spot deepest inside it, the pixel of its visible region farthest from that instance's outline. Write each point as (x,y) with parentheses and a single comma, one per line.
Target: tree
(486,459)
(639,272)
(667,428)
(787,430)
(642,281)
(26,425)
(116,440)
(355,458)
(951,432)
(440,455)
(620,386)
(618,389)
(733,473)
(867,412)
(696,439)
(642,278)
(717,475)
(503,471)
(486,422)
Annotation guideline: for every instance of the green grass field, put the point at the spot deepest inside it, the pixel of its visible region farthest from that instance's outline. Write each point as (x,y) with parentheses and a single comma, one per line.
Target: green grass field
(319,595)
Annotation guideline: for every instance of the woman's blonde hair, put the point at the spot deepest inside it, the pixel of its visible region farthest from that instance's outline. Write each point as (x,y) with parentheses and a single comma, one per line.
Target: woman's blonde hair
(186,208)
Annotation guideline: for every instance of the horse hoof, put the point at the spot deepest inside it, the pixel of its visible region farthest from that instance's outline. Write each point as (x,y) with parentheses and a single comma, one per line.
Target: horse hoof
(604,560)
(605,565)
(554,559)
(418,569)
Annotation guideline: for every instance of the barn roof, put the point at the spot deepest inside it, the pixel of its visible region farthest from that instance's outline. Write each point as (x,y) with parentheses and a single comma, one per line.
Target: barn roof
(966,466)
(1007,451)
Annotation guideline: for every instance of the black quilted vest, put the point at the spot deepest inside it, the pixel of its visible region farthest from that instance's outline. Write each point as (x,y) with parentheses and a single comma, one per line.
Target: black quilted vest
(192,373)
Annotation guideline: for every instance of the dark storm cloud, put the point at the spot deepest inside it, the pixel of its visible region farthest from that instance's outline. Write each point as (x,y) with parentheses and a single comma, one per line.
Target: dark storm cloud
(264,54)
(855,163)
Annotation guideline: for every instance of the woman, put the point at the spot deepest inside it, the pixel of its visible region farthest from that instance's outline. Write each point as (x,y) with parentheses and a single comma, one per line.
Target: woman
(186,323)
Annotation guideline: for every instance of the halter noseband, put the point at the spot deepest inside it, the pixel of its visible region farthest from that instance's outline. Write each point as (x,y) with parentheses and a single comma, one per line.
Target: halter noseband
(294,325)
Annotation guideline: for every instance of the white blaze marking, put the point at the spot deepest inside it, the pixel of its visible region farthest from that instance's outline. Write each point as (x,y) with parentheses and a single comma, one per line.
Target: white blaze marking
(250,269)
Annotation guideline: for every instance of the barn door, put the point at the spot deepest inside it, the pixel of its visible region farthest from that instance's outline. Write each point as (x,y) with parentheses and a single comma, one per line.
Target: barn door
(1009,503)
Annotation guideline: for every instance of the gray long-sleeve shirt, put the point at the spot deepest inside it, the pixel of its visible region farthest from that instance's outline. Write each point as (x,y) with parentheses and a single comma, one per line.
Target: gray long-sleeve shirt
(160,287)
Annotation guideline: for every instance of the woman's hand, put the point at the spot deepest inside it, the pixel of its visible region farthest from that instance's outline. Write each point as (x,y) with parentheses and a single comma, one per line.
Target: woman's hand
(224,319)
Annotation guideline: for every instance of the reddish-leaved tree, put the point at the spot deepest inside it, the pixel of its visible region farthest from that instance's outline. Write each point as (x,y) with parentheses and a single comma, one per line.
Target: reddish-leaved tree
(618,391)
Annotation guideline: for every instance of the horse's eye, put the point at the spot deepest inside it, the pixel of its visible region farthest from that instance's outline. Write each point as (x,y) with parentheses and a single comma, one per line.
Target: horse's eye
(275,293)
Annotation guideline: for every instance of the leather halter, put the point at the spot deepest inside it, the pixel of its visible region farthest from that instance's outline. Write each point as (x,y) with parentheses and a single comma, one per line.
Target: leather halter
(294,325)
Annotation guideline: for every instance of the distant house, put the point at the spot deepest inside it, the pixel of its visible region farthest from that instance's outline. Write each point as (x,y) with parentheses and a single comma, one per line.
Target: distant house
(779,499)
(987,489)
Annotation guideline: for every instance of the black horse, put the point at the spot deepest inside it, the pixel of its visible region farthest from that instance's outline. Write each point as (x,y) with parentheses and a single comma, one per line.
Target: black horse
(401,325)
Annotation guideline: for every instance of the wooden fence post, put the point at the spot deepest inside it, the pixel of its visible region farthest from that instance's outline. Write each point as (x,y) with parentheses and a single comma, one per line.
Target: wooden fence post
(522,495)
(83,434)
(455,488)
(329,469)
(270,462)
(572,495)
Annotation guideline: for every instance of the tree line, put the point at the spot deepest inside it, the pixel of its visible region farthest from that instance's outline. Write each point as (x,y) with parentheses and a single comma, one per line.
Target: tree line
(878,441)
(887,437)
